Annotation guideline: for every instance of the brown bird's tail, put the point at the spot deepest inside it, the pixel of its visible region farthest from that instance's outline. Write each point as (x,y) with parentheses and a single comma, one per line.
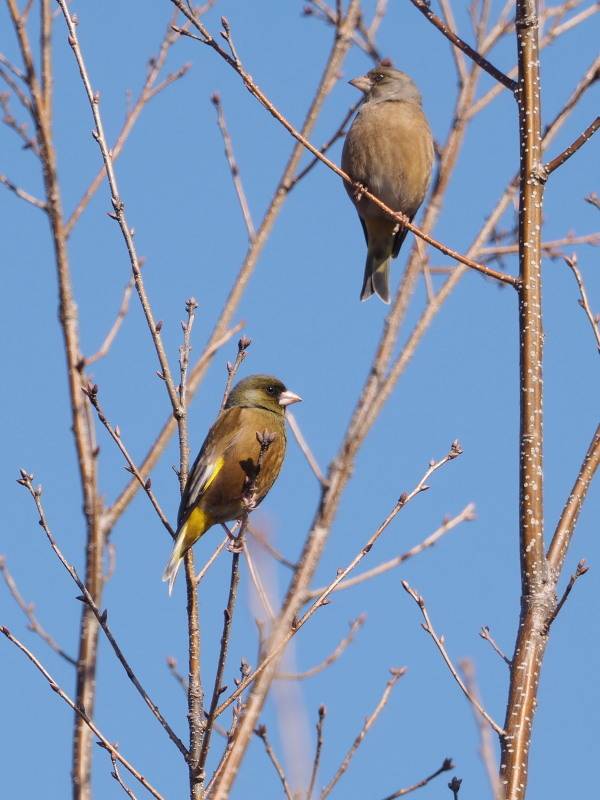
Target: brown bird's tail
(377,275)
(179,550)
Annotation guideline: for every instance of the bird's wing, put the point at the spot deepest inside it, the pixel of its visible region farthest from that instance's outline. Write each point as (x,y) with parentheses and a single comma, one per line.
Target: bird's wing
(208,464)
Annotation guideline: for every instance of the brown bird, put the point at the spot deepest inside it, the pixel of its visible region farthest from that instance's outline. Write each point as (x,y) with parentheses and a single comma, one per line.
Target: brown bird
(388,150)
(227,462)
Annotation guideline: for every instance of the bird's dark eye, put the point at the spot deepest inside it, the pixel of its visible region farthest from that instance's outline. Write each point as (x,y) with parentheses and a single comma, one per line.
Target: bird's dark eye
(379,77)
(271,389)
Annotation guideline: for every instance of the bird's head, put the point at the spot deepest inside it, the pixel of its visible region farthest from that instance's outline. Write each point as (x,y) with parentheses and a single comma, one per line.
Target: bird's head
(262,391)
(386,83)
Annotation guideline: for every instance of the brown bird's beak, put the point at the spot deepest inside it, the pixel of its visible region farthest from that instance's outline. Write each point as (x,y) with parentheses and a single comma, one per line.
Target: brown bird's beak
(287,398)
(363,83)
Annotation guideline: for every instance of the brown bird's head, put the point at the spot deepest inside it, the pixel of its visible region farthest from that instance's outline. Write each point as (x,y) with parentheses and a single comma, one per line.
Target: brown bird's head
(261,391)
(386,83)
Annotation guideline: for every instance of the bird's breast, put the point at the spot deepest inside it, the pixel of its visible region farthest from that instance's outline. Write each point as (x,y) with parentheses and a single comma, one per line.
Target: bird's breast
(389,149)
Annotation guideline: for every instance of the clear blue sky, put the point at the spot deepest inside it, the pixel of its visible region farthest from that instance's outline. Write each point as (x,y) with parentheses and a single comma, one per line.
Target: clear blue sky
(308,327)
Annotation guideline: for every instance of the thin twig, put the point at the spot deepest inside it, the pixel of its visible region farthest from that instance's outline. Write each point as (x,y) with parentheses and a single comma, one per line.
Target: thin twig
(331,658)
(581,570)
(466,515)
(486,747)
(339,133)
(398,217)
(115,774)
(110,337)
(212,559)
(29,198)
(80,712)
(396,675)
(172,666)
(260,589)
(570,514)
(91,392)
(118,207)
(305,448)
(184,358)
(243,344)
(322,600)
(27,481)
(27,609)
(259,537)
(428,628)
(425,9)
(485,634)
(570,239)
(147,93)
(319,746)
(584,302)
(591,129)
(261,732)
(446,765)
(235,173)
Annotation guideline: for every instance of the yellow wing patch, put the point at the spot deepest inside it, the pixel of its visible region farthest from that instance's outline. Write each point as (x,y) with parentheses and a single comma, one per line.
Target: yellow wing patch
(216,469)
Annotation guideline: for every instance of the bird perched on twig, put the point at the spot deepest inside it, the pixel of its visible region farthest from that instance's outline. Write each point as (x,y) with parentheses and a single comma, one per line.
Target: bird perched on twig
(388,150)
(217,485)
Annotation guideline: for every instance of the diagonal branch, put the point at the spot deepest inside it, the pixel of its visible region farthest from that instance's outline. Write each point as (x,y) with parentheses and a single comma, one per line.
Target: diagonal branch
(425,9)
(428,628)
(81,713)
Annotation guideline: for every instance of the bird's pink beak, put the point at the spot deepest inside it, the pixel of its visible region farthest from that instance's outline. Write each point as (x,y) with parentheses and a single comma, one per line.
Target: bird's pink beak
(287,398)
(363,83)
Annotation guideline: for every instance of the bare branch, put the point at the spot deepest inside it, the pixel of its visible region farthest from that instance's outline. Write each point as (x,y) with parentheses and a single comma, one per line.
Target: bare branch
(584,302)
(331,658)
(29,198)
(428,628)
(261,732)
(119,211)
(568,519)
(322,600)
(317,758)
(425,9)
(235,173)
(396,675)
(91,392)
(467,514)
(27,609)
(81,713)
(591,129)
(243,344)
(119,780)
(486,747)
(581,570)
(485,634)
(305,448)
(36,493)
(400,218)
(446,765)
(106,344)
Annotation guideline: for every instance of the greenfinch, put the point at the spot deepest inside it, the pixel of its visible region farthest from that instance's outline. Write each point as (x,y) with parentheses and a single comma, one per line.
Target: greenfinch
(388,150)
(226,464)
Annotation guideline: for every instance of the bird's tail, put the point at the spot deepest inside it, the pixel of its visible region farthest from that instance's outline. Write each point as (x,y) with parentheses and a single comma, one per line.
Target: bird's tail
(179,550)
(377,275)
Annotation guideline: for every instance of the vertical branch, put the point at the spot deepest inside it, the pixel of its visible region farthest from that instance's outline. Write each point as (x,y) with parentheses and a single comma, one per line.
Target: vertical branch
(233,759)
(537,591)
(41,113)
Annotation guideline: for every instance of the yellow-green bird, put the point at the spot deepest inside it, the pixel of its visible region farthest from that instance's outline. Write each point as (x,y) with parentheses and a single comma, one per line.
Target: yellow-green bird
(227,462)
(389,150)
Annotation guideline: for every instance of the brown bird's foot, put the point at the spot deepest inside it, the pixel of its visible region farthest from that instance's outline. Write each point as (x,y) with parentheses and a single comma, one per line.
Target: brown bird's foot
(357,191)
(235,545)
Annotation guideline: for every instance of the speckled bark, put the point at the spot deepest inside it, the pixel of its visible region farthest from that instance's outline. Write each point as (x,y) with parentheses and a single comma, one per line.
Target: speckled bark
(537,589)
